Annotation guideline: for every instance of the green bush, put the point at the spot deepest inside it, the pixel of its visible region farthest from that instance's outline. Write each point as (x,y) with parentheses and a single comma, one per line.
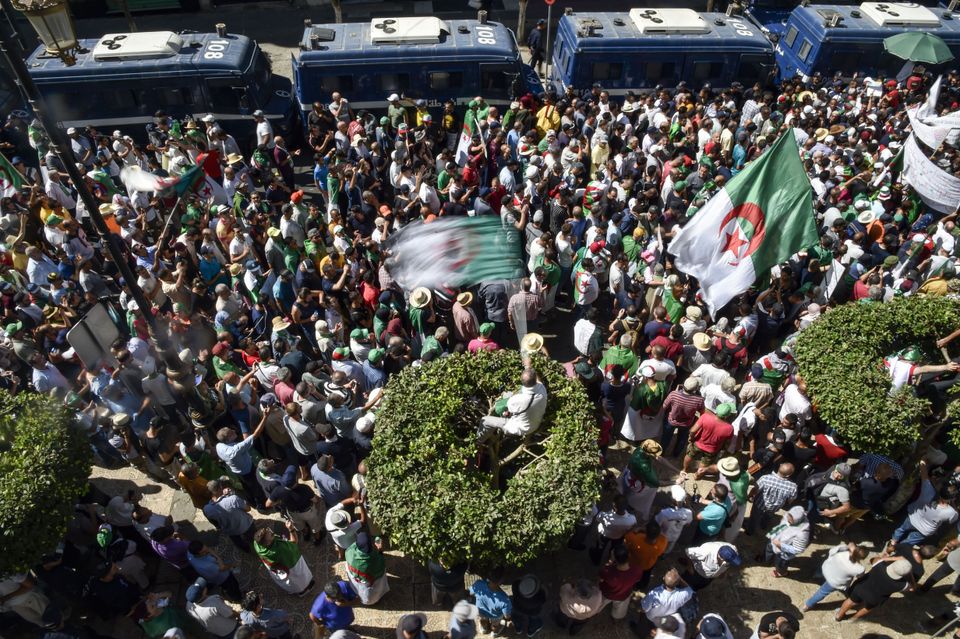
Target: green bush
(43,471)
(841,358)
(426,490)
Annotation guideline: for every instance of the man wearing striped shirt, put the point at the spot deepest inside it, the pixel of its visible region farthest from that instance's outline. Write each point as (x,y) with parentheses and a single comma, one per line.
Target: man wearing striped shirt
(682,407)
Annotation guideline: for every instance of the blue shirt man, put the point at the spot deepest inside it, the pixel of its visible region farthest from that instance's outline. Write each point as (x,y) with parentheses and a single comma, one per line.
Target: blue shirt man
(493,603)
(236,455)
(333,608)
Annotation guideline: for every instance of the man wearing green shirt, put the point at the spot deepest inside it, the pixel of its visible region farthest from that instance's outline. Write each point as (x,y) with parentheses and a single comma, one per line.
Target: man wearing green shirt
(738,482)
(221,365)
(443,180)
(395,111)
(622,355)
(421,310)
(483,109)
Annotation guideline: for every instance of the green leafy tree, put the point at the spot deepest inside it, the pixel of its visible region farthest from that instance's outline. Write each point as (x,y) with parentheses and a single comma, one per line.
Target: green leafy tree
(840,356)
(44,466)
(429,493)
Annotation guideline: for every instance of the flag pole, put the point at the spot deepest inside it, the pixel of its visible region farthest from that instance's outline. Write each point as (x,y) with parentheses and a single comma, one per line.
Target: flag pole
(482,138)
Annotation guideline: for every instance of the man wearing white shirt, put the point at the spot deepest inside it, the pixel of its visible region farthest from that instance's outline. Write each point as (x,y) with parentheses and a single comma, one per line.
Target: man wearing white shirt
(708,561)
(795,402)
(39,266)
(839,570)
(57,191)
(264,130)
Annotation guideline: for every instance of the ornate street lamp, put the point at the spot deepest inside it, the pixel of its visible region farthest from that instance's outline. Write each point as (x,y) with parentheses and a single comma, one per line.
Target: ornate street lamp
(52,21)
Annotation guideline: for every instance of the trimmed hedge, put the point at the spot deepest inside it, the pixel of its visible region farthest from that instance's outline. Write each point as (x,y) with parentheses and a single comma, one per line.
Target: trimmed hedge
(43,472)
(841,358)
(426,490)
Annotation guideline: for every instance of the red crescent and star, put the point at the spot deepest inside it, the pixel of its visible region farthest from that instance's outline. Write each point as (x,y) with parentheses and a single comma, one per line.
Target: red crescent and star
(748,235)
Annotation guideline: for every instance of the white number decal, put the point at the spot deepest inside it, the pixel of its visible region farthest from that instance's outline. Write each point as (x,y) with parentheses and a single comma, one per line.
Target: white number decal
(485,36)
(215,49)
(741,28)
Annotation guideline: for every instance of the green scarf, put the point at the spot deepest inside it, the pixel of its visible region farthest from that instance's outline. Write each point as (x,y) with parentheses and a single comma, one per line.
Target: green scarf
(280,555)
(647,400)
(366,567)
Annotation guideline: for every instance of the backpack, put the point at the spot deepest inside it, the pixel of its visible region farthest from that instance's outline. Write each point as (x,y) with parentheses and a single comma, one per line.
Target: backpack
(815,482)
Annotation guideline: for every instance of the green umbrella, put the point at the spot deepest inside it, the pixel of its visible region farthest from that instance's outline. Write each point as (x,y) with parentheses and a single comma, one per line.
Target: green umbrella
(918,46)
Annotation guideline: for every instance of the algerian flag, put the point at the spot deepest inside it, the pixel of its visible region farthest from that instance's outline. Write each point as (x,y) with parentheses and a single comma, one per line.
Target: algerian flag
(190,180)
(470,126)
(10,178)
(455,251)
(758,220)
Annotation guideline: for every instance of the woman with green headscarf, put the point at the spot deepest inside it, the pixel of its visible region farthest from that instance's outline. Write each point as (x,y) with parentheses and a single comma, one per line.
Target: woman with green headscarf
(367,569)
(283,560)
(645,412)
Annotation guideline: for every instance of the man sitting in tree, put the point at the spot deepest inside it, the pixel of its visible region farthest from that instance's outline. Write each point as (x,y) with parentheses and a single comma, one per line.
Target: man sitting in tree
(518,413)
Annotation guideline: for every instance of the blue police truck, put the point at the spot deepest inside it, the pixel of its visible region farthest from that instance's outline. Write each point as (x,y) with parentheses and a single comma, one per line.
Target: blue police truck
(416,58)
(122,79)
(830,38)
(645,48)
(772,14)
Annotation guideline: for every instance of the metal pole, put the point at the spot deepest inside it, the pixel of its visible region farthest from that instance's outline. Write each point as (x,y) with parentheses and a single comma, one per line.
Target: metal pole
(131,25)
(61,146)
(546,74)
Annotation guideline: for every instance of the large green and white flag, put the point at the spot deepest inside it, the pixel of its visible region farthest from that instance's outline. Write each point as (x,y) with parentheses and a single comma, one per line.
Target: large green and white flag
(758,220)
(457,251)
(470,126)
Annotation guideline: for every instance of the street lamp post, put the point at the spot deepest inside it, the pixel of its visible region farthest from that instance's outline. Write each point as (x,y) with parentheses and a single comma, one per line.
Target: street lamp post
(56,32)
(52,21)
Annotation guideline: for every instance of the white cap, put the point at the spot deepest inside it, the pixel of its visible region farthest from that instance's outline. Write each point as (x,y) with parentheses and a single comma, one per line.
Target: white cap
(393,97)
(71,130)
(677,493)
(208,118)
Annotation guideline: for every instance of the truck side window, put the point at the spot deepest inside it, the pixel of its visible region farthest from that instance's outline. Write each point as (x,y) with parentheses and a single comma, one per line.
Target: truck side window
(607,71)
(227,96)
(657,71)
(331,83)
(445,79)
(790,37)
(703,71)
(394,82)
(804,51)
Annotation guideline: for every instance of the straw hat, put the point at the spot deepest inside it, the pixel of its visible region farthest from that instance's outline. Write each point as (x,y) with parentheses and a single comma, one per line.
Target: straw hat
(235,269)
(651,447)
(280,324)
(108,208)
(420,297)
(866,217)
(531,342)
(465,298)
(701,341)
(234,158)
(729,466)
(821,134)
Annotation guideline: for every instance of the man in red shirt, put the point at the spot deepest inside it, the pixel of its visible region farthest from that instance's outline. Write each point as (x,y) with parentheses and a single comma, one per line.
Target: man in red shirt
(708,437)
(617,579)
(672,344)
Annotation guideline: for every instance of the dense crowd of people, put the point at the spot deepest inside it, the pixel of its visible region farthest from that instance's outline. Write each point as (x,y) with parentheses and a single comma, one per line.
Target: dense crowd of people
(278,325)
